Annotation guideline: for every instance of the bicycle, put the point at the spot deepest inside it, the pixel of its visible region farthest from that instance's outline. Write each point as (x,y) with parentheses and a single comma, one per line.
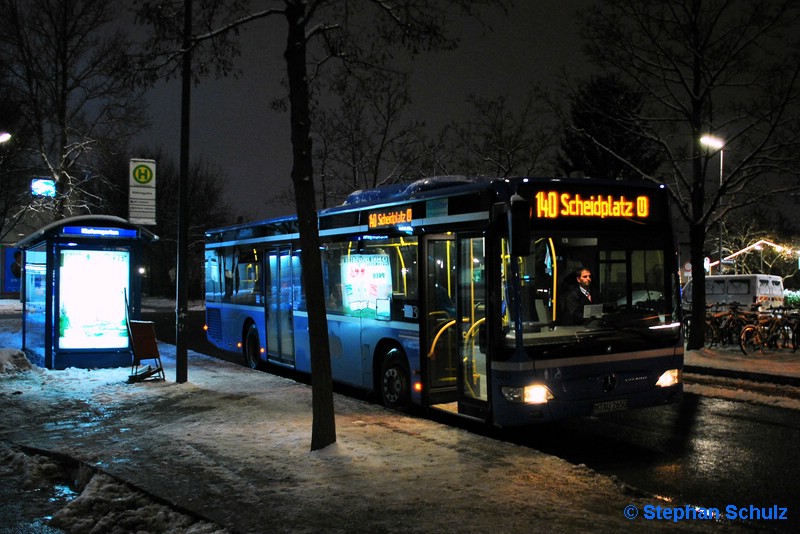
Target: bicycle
(772,330)
(732,322)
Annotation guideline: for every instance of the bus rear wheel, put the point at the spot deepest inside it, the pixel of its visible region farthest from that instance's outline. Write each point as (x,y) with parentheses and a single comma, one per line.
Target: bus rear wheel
(395,385)
(252,348)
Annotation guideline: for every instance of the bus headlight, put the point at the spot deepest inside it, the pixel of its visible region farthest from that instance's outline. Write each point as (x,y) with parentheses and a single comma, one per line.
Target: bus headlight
(533,394)
(669,378)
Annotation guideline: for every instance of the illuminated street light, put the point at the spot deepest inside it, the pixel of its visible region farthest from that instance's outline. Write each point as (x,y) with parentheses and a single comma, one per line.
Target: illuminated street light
(713,142)
(717,143)
(5,136)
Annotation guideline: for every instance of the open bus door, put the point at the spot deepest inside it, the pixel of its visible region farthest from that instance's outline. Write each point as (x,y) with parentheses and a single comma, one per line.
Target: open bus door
(281,284)
(455,359)
(441,351)
(473,376)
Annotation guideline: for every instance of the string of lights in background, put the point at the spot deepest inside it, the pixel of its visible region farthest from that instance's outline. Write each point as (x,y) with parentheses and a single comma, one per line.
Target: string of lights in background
(758,245)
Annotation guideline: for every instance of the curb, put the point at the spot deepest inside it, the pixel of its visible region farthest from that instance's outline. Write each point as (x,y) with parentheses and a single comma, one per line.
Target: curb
(746,375)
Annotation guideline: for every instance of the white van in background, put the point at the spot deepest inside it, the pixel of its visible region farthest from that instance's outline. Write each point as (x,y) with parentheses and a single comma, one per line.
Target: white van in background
(762,290)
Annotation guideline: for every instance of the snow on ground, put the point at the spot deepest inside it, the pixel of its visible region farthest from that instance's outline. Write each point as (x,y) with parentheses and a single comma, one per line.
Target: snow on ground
(92,501)
(202,459)
(743,391)
(784,363)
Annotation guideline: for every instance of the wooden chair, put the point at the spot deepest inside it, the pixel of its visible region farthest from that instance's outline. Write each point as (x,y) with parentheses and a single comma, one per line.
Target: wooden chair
(145,347)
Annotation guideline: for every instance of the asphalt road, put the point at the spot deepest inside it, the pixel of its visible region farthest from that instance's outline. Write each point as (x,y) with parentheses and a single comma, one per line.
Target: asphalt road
(706,452)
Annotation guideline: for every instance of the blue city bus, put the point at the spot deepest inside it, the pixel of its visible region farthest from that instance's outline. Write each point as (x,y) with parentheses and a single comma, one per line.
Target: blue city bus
(449,293)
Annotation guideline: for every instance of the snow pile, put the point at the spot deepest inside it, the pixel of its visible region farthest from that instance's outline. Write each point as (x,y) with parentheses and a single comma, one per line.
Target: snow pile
(107,505)
(32,471)
(13,361)
(94,502)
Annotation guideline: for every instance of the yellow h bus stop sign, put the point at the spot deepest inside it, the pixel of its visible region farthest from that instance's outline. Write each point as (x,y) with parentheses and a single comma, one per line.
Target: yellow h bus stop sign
(142,192)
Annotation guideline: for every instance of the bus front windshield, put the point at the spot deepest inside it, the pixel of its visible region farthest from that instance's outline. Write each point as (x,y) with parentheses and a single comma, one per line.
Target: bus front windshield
(626,285)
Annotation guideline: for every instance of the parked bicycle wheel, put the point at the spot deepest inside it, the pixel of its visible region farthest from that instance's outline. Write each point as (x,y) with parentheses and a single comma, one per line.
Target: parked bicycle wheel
(712,336)
(787,337)
(750,339)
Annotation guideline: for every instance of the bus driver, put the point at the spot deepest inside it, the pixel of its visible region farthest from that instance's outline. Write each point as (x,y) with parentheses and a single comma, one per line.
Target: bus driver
(578,297)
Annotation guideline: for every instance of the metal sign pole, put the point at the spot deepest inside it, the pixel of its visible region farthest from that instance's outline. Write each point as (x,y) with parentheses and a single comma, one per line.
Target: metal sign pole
(182,271)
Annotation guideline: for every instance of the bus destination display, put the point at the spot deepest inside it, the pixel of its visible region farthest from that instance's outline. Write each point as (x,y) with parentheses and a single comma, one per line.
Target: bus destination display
(553,204)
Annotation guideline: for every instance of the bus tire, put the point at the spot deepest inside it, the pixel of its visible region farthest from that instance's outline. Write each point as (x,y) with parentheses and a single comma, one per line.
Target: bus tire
(395,381)
(252,348)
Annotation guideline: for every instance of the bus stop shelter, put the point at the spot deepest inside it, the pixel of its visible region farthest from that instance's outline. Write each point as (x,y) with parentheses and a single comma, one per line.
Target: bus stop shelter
(80,287)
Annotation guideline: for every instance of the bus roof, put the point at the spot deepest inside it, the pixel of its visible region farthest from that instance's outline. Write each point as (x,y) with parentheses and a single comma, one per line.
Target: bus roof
(409,190)
(425,189)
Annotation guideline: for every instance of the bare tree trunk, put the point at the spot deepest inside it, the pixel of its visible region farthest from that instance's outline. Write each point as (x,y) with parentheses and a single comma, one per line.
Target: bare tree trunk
(696,339)
(697,226)
(324,425)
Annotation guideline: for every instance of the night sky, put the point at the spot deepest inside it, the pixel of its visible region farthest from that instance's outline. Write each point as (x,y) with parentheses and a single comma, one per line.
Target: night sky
(234,127)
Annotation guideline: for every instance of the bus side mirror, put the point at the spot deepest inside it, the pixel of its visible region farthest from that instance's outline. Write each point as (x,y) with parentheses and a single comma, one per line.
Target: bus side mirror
(519,226)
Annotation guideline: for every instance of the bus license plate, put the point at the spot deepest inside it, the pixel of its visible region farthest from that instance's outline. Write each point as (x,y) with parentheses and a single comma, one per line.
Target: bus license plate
(610,406)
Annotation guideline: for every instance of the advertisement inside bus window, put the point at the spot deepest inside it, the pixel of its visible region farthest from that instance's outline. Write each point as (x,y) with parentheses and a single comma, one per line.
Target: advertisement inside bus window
(92,299)
(367,285)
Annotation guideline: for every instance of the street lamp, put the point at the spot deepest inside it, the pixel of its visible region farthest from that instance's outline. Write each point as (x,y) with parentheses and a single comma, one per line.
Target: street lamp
(5,136)
(719,144)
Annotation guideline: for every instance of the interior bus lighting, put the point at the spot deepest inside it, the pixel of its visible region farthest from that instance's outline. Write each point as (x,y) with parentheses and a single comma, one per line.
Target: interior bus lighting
(533,394)
(669,378)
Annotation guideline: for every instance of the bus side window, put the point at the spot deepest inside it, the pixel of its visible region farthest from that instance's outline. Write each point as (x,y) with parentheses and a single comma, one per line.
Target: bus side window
(213,282)
(332,277)
(247,287)
(229,265)
(297,289)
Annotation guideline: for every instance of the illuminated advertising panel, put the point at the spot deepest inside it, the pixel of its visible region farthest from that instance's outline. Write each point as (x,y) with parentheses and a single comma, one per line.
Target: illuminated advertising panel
(555,204)
(93,285)
(367,285)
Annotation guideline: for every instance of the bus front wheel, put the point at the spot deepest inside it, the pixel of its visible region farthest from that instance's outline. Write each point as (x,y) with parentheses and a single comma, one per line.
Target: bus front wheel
(252,348)
(395,381)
